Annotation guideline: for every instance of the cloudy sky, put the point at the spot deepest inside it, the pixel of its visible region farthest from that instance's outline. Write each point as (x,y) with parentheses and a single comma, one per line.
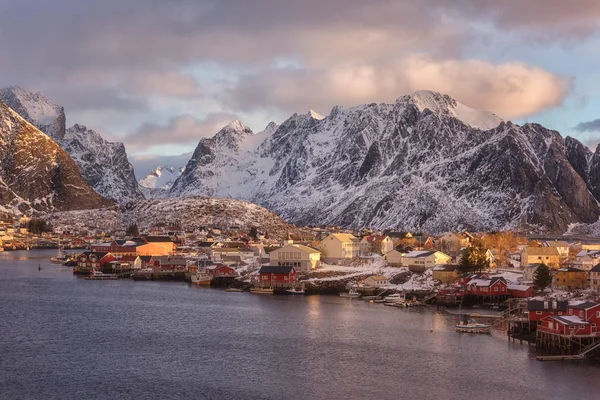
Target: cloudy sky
(161,74)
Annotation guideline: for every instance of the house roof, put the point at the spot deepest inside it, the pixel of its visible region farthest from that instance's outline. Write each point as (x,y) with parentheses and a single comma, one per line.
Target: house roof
(300,247)
(419,254)
(146,258)
(206,244)
(275,270)
(158,239)
(583,305)
(570,269)
(446,267)
(557,243)
(541,251)
(520,288)
(541,305)
(570,320)
(345,237)
(98,254)
(596,268)
(378,277)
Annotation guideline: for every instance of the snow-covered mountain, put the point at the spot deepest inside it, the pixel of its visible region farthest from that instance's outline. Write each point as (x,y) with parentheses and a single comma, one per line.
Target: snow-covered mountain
(189,213)
(103,164)
(159,181)
(425,162)
(36,174)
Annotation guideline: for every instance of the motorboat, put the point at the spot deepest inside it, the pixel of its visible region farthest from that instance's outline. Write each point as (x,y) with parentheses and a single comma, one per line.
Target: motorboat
(201,278)
(99,275)
(352,294)
(262,290)
(295,291)
(472,326)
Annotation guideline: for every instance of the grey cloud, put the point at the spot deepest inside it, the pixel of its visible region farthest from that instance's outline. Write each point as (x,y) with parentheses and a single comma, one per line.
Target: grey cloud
(183,129)
(143,164)
(588,126)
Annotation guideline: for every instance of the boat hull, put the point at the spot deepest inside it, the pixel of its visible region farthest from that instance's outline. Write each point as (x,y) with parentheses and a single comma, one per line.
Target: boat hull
(473,329)
(261,290)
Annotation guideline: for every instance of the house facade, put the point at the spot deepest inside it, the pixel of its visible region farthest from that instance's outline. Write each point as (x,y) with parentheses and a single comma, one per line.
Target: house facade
(273,275)
(419,261)
(376,281)
(540,255)
(394,257)
(339,248)
(561,246)
(581,319)
(587,259)
(446,274)
(540,309)
(570,279)
(594,281)
(302,258)
(375,244)
(88,261)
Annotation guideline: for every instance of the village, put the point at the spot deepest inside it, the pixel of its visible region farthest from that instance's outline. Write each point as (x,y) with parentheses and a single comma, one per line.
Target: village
(492,272)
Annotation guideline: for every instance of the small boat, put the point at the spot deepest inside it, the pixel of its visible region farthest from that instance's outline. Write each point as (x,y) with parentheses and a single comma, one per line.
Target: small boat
(394,298)
(295,291)
(399,304)
(473,326)
(371,298)
(261,290)
(352,294)
(233,290)
(201,278)
(101,276)
(60,258)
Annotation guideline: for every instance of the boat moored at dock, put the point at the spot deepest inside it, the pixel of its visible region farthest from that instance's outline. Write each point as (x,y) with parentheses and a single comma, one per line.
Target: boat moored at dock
(352,294)
(473,326)
(101,276)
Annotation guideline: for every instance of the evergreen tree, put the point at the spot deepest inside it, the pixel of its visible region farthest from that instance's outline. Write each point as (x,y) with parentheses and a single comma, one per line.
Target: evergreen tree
(254,233)
(132,230)
(473,260)
(542,278)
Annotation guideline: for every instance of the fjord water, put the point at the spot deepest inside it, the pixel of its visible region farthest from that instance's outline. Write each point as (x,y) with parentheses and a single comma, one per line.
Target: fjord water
(63,337)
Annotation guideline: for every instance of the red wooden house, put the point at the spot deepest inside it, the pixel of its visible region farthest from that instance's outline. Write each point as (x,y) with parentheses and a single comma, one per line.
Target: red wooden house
(521,291)
(486,287)
(88,260)
(218,270)
(274,275)
(582,319)
(540,309)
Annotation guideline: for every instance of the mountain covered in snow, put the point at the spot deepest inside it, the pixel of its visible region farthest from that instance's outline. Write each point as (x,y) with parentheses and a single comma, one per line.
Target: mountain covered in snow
(425,162)
(188,213)
(159,181)
(103,164)
(36,174)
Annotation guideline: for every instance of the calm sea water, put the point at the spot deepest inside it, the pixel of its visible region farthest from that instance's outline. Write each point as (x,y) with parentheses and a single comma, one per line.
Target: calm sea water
(67,338)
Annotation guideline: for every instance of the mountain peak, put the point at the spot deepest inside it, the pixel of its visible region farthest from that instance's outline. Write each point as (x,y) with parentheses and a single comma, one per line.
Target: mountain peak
(315,115)
(443,104)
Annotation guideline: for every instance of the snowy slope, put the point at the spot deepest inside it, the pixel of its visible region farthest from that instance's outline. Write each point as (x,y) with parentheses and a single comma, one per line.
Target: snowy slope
(445,105)
(36,109)
(104,165)
(35,173)
(416,164)
(189,213)
(159,181)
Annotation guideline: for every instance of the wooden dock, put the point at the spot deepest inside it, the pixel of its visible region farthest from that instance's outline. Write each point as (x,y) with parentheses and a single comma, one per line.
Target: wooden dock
(560,358)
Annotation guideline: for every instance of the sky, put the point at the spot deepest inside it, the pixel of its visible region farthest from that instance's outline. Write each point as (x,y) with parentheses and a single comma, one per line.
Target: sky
(159,75)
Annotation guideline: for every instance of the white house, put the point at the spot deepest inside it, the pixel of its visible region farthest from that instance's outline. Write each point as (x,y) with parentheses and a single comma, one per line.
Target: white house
(339,248)
(302,258)
(376,281)
(418,261)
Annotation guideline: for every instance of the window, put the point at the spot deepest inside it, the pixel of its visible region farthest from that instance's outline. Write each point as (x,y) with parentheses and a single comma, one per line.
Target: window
(495,289)
(538,313)
(581,326)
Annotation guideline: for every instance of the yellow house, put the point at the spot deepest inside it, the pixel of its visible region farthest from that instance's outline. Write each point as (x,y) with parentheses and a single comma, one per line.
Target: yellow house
(156,246)
(376,281)
(445,273)
(302,258)
(595,278)
(419,260)
(394,257)
(340,248)
(540,255)
(570,279)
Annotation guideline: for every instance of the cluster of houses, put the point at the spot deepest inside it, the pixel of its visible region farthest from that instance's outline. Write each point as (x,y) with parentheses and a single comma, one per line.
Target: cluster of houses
(564,318)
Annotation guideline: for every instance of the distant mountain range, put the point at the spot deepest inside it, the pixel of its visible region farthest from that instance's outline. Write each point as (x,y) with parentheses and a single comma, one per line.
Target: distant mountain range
(424,163)
(36,174)
(159,181)
(104,165)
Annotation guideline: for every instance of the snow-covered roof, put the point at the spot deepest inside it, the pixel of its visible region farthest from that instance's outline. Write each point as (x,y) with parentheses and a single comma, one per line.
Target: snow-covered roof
(570,320)
(522,288)
(418,254)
